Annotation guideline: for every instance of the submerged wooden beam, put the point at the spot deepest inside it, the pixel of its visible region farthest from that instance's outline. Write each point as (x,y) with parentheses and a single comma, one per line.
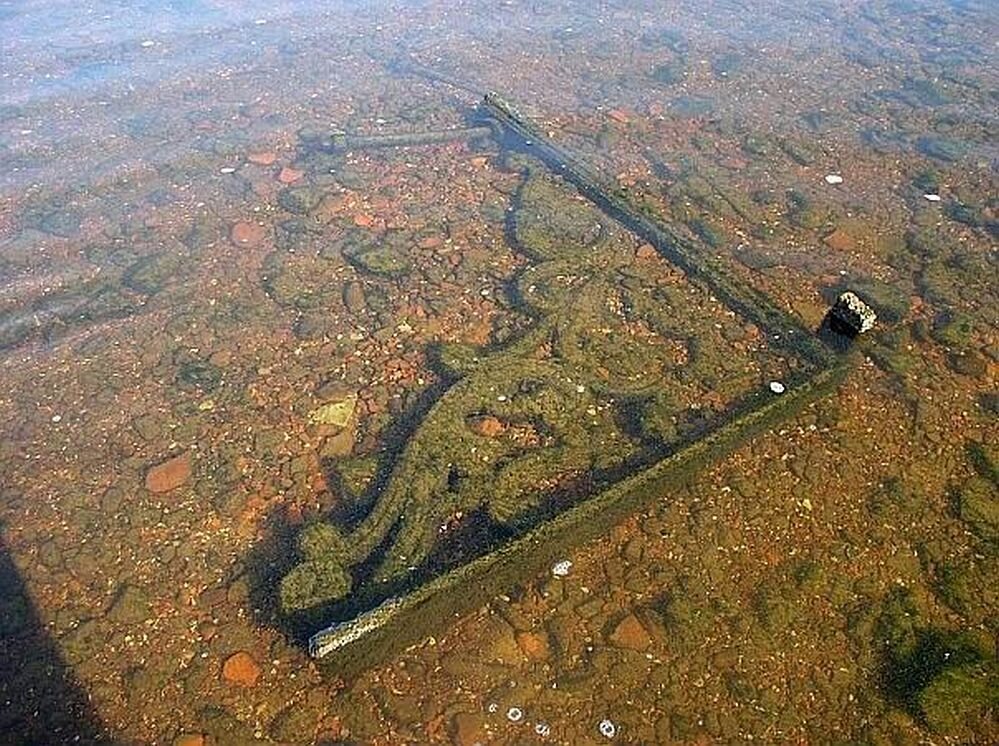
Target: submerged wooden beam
(350,647)
(345,141)
(686,252)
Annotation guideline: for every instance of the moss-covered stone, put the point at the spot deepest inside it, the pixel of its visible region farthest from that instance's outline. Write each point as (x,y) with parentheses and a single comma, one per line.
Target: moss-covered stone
(978,502)
(384,261)
(300,200)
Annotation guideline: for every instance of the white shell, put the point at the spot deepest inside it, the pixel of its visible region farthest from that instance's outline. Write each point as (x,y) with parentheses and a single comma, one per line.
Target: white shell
(834,179)
(777,387)
(515,714)
(607,728)
(561,568)
(932,197)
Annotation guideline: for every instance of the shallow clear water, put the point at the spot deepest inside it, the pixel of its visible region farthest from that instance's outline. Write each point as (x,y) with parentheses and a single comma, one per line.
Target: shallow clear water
(289,324)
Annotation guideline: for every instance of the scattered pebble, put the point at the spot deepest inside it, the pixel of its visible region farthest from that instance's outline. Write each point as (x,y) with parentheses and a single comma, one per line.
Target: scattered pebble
(561,568)
(169,474)
(148,43)
(515,714)
(289,175)
(240,668)
(263,158)
(607,728)
(57,418)
(227,170)
(777,387)
(834,179)
(247,234)
(580,389)
(931,197)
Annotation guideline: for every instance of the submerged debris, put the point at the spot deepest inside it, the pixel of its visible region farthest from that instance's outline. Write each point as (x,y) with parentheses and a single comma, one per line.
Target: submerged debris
(851,315)
(343,633)
(607,728)
(561,568)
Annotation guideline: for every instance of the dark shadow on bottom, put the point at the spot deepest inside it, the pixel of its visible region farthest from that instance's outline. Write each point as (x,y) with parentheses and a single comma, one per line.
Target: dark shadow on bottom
(41,702)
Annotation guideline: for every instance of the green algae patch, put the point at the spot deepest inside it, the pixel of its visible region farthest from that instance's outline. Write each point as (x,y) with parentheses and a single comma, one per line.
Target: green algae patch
(947,679)
(336,413)
(384,261)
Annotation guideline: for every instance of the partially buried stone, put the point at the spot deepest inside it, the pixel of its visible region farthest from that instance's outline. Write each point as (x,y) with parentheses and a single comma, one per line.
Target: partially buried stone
(353,297)
(467,728)
(189,739)
(337,413)
(247,234)
(630,634)
(486,425)
(534,645)
(130,606)
(240,668)
(290,175)
(851,314)
(170,474)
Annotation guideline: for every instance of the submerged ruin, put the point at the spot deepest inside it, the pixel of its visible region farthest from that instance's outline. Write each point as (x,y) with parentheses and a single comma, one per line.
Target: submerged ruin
(640,361)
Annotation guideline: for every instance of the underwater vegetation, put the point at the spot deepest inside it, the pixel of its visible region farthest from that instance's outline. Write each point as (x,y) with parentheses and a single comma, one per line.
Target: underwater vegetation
(947,679)
(591,387)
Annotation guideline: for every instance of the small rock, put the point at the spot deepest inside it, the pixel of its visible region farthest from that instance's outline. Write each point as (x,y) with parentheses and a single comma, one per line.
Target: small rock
(240,668)
(337,413)
(487,426)
(263,158)
(189,739)
(646,251)
(851,315)
(607,728)
(289,175)
(468,729)
(834,179)
(932,197)
(839,240)
(561,568)
(534,645)
(777,387)
(247,234)
(353,297)
(170,474)
(363,220)
(630,634)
